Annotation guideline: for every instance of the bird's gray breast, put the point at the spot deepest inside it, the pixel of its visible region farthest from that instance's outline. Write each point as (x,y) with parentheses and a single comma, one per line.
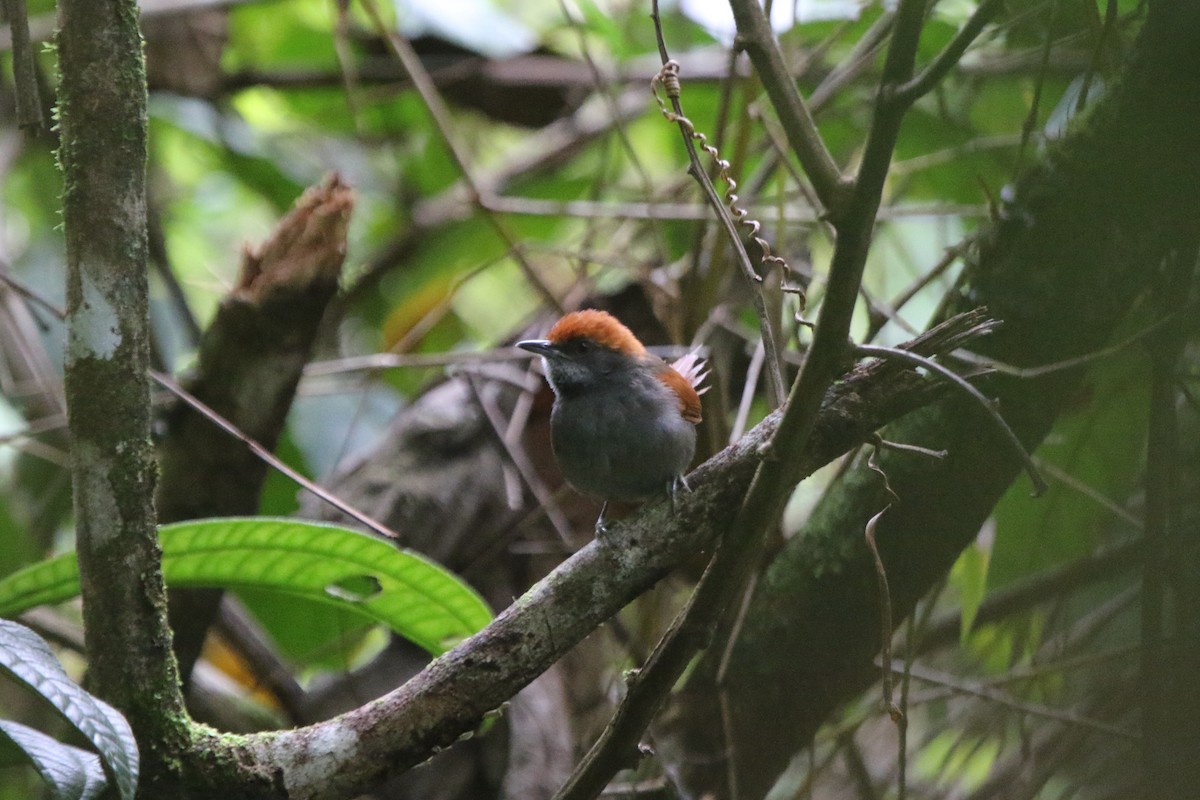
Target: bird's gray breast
(622,444)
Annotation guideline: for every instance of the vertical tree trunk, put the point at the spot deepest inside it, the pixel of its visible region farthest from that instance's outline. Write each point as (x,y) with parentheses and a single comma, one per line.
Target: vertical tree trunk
(102,104)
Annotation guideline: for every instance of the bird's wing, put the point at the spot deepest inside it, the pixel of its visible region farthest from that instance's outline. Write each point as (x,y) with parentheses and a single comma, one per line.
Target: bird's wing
(683,384)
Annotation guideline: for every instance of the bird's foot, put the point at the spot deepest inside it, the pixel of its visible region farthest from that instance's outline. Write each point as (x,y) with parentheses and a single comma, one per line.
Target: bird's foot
(601,525)
(673,489)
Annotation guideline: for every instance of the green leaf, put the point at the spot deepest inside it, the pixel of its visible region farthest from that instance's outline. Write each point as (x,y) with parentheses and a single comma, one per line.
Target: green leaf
(50,581)
(1098,447)
(28,659)
(312,633)
(969,576)
(413,596)
(69,772)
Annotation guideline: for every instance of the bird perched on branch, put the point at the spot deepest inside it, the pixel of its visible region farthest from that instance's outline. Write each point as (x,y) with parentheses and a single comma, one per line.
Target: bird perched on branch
(623,423)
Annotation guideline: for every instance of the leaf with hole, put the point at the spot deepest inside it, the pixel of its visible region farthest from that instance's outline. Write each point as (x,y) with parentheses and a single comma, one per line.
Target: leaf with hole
(413,596)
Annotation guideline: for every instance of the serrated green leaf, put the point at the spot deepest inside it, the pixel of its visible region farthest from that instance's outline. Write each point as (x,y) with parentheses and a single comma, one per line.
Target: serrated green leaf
(69,772)
(416,598)
(28,659)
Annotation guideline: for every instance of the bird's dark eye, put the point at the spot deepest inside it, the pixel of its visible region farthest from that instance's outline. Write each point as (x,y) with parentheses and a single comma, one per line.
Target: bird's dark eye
(581,345)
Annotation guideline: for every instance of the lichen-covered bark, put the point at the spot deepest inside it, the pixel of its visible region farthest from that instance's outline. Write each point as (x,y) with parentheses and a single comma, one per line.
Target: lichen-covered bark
(102,104)
(1082,240)
(449,697)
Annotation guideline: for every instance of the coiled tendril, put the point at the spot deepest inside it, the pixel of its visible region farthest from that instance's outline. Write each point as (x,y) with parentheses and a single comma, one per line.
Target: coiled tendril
(668,79)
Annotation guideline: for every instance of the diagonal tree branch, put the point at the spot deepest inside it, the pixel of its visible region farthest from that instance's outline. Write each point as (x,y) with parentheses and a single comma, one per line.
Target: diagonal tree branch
(756,38)
(349,754)
(949,57)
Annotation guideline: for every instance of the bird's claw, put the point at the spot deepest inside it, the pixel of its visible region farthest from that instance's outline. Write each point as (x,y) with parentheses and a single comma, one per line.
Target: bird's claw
(673,489)
(601,526)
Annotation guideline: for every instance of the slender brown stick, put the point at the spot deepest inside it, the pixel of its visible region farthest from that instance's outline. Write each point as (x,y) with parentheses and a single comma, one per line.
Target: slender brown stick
(885,614)
(1035,475)
(440,114)
(24,66)
(270,458)
(756,38)
(697,170)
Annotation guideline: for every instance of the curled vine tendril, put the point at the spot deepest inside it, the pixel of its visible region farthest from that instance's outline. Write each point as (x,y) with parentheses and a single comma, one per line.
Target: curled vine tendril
(668,79)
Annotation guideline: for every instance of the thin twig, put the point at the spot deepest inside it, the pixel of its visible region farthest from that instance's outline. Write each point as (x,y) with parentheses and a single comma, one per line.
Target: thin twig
(885,444)
(861,56)
(440,114)
(1039,483)
(520,460)
(24,66)
(902,723)
(735,630)
(377,361)
(1050,584)
(1069,363)
(949,57)
(948,258)
(935,158)
(1110,22)
(1004,699)
(857,767)
(731,780)
(268,457)
(749,385)
(1088,491)
(30,295)
(648,688)
(1162,593)
(1030,123)
(348,65)
(799,213)
(774,372)
(885,614)
(603,88)
(757,39)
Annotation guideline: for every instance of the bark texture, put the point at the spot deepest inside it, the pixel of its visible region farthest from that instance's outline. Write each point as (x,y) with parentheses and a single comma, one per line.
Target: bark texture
(102,103)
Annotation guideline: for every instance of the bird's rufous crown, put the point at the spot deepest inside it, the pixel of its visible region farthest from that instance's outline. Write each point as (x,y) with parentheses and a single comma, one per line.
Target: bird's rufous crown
(599,326)
(683,377)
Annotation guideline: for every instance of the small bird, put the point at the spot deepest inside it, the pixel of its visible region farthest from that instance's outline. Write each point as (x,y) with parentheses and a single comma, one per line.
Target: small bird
(623,423)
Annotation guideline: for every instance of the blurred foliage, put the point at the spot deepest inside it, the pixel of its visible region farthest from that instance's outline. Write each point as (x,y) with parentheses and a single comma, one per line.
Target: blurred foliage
(297,89)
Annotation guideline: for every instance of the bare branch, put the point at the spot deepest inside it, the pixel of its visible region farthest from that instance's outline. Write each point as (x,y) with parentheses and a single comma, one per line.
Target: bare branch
(756,38)
(911,91)
(697,170)
(1039,483)
(449,697)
